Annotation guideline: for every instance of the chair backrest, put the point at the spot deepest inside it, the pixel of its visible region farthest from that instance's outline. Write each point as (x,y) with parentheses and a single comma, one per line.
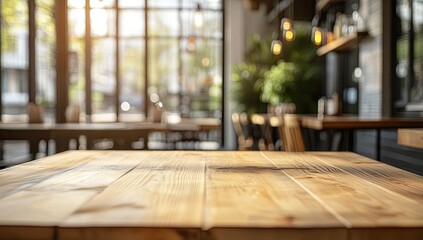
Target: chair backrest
(72,113)
(240,122)
(35,113)
(290,132)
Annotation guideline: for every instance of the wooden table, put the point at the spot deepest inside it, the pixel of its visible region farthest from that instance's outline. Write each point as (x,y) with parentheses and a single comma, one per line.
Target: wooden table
(123,134)
(411,137)
(209,195)
(351,123)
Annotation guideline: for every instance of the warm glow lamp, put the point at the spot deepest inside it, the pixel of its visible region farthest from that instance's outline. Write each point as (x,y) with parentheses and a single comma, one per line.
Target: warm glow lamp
(286,24)
(276,47)
(289,35)
(317,36)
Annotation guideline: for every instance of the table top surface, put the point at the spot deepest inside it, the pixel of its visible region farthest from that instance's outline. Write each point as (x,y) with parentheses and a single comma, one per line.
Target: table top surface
(224,194)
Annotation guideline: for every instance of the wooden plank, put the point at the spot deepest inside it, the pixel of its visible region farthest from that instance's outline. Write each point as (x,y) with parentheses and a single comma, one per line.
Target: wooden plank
(23,176)
(376,173)
(346,43)
(245,190)
(350,197)
(411,137)
(165,190)
(53,199)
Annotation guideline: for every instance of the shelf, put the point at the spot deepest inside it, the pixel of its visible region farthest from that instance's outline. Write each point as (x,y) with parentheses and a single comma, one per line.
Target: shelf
(342,44)
(325,4)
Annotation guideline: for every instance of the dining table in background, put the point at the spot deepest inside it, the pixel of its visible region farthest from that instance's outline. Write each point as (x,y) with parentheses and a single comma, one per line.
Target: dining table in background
(122,134)
(348,124)
(207,195)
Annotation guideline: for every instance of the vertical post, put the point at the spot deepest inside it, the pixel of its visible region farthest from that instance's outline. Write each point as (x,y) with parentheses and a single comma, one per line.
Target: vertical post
(223,119)
(1,81)
(88,107)
(118,77)
(31,51)
(61,19)
(146,98)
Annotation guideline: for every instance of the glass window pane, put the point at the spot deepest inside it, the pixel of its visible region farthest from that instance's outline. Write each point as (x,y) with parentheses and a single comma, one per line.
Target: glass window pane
(204,4)
(188,26)
(163,23)
(14,58)
(416,93)
(131,23)
(132,72)
(163,69)
(131,4)
(202,78)
(103,22)
(76,3)
(103,77)
(163,3)
(76,22)
(45,58)
(76,61)
(212,24)
(102,3)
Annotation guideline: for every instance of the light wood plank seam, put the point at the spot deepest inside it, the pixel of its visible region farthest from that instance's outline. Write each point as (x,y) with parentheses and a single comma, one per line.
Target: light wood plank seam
(369,182)
(340,218)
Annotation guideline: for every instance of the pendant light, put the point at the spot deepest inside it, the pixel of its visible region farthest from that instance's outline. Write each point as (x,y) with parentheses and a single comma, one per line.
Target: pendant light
(287,28)
(316,31)
(277,45)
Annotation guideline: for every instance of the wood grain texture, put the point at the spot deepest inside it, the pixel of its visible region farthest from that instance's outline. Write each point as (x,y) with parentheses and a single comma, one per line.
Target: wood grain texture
(353,199)
(218,195)
(166,189)
(21,177)
(411,137)
(245,190)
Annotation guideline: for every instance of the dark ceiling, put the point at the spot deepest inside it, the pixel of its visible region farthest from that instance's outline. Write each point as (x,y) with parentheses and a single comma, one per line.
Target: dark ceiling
(300,10)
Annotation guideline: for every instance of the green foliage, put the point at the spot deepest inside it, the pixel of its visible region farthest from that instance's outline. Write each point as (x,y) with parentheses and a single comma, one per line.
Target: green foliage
(280,84)
(247,81)
(291,77)
(247,77)
(295,78)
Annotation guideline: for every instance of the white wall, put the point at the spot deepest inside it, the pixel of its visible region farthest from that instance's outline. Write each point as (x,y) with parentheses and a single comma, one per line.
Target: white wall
(240,24)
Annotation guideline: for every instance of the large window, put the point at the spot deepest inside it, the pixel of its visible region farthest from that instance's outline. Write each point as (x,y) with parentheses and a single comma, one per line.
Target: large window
(27,57)
(14,58)
(122,57)
(125,55)
(408,30)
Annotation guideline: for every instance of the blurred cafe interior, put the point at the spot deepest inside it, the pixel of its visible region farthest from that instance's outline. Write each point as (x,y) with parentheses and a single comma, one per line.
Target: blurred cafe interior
(211,75)
(211,119)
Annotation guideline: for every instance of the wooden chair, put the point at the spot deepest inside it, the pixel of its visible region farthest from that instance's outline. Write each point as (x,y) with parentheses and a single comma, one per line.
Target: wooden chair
(239,122)
(291,135)
(72,113)
(36,116)
(35,113)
